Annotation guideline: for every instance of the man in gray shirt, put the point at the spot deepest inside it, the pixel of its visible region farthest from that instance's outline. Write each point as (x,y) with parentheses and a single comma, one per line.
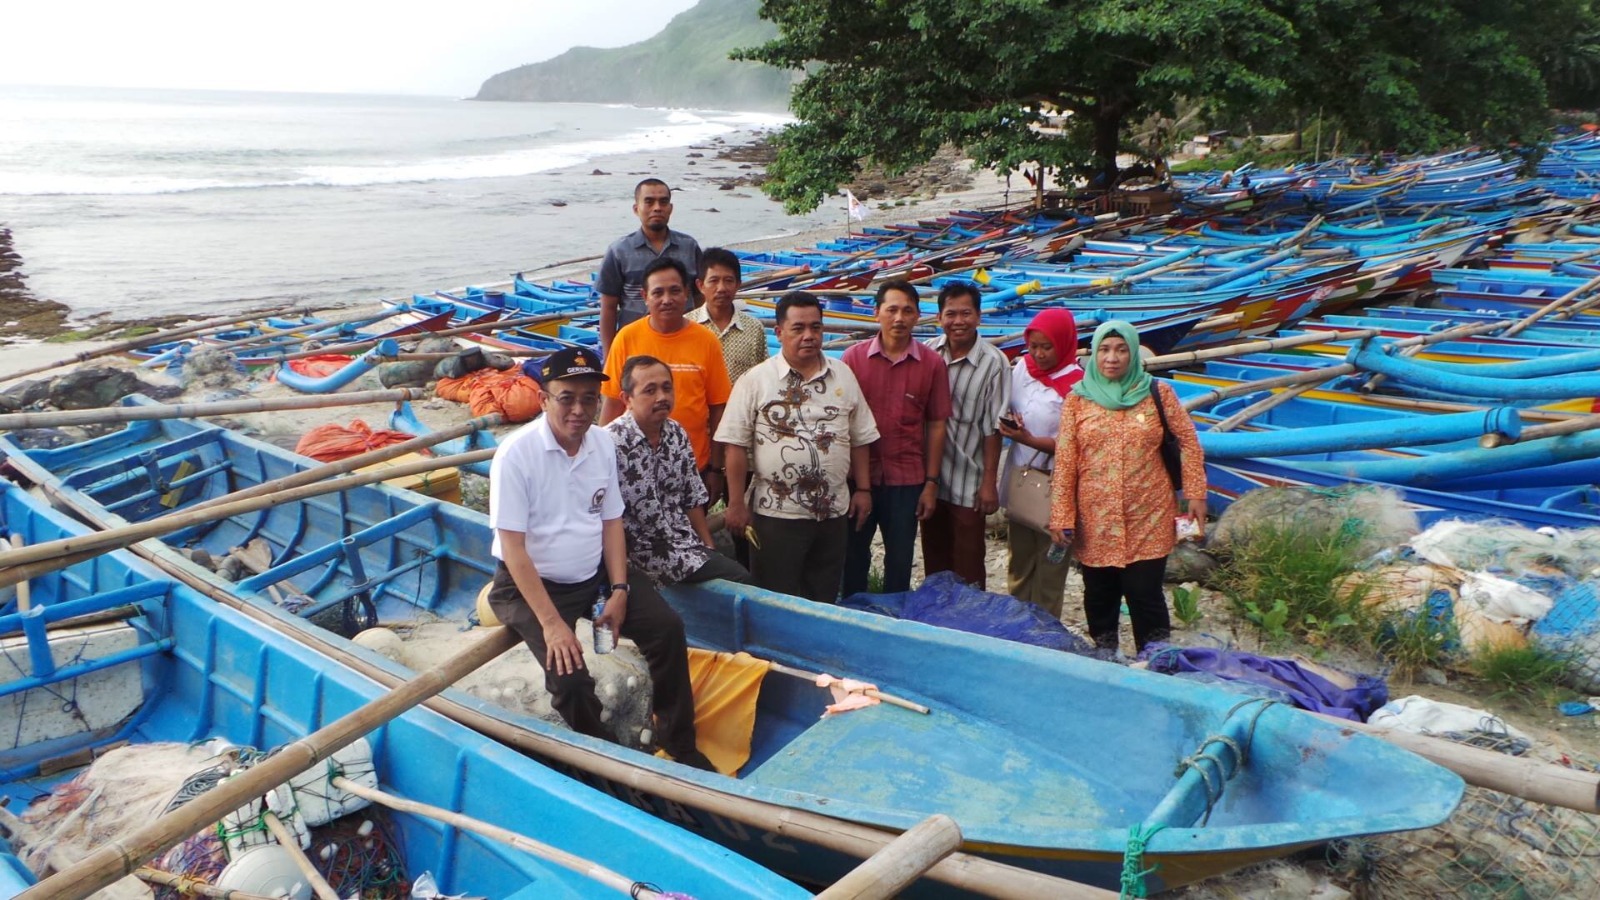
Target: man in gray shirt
(621,280)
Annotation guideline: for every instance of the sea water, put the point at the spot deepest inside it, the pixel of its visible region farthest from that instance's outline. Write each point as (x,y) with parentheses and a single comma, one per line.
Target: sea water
(155,202)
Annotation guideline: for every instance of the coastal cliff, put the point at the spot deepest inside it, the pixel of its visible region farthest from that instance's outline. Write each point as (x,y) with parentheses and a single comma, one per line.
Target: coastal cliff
(686,64)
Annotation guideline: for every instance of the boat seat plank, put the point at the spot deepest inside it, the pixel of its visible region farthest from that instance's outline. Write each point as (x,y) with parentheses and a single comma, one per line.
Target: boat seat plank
(89,479)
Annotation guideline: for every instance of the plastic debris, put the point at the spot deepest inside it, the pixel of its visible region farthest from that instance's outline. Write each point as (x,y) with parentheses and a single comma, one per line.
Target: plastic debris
(1419,715)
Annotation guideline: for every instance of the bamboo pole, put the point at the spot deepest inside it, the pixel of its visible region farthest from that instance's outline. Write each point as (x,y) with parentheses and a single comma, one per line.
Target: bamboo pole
(500,325)
(1554,429)
(1574,309)
(126,854)
(1222,351)
(268,335)
(874,693)
(1311,378)
(1522,324)
(1263,405)
(146,340)
(961,870)
(184,885)
(37,559)
(1319,375)
(889,871)
(24,589)
(349,463)
(1530,779)
(587,868)
(290,845)
(435,357)
(156,411)
(1527,414)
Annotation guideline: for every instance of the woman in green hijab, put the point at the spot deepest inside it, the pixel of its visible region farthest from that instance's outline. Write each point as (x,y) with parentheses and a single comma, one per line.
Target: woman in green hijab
(1112,498)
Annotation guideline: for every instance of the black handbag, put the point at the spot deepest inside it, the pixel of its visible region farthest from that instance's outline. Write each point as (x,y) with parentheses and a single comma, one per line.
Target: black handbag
(1171,453)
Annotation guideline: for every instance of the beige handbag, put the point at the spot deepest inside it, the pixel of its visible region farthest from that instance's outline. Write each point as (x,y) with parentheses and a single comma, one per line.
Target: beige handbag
(1028,497)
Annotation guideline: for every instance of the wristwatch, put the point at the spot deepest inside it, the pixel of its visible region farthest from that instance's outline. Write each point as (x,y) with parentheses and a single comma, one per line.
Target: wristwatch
(931,479)
(624,587)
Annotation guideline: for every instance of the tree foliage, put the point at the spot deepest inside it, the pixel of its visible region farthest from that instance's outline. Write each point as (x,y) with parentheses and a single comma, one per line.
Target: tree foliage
(889,81)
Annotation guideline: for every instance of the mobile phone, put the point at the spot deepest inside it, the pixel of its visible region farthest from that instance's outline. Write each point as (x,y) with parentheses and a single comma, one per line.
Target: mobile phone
(1009,420)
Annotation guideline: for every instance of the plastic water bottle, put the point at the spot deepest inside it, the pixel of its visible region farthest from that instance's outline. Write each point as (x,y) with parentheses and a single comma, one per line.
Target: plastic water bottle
(604,640)
(1055,554)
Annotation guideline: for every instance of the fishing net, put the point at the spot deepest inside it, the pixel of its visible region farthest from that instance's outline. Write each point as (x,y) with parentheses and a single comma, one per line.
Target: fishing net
(1493,847)
(1364,519)
(1572,629)
(1512,550)
(213,368)
(515,681)
(129,786)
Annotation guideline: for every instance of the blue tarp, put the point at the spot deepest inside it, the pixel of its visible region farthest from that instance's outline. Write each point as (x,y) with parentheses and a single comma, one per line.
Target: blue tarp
(1296,684)
(943,599)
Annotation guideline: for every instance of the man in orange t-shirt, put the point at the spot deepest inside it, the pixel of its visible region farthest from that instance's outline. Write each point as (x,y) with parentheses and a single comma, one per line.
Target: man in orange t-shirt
(692,351)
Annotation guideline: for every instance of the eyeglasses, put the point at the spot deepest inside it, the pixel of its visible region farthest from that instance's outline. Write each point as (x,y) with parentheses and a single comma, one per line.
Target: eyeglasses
(568,401)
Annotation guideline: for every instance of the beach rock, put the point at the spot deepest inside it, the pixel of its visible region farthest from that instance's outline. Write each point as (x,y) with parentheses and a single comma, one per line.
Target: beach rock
(93,388)
(725,186)
(598,172)
(558,203)
(26,393)
(1188,562)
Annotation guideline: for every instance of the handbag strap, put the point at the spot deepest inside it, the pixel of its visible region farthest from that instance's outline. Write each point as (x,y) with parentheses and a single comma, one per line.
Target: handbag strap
(1161,414)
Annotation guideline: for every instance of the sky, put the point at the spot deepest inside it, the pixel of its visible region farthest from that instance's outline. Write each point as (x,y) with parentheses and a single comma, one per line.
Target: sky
(343,46)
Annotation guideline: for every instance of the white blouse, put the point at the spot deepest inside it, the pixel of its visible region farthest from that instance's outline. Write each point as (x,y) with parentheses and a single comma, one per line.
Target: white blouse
(1039,407)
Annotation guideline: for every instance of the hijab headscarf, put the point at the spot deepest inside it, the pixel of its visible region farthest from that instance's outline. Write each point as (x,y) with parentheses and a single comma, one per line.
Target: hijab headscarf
(1133,386)
(1062,329)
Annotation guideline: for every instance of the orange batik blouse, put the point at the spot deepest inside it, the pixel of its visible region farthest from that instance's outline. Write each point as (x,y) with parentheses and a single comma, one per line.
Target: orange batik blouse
(1110,486)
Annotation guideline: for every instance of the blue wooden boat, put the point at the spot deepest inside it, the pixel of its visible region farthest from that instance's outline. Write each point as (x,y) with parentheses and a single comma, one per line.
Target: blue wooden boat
(1015,748)
(182,668)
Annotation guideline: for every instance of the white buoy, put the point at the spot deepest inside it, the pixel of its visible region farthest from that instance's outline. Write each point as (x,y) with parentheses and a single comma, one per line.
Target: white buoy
(265,869)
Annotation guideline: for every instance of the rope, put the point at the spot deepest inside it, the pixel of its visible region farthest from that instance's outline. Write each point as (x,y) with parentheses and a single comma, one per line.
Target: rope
(1215,782)
(1133,871)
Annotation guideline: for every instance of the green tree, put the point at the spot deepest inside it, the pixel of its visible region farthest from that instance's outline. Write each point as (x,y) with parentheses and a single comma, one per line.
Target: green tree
(889,81)
(1413,75)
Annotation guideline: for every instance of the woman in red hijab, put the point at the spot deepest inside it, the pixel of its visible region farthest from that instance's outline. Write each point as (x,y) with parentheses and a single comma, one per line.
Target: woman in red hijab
(1041,378)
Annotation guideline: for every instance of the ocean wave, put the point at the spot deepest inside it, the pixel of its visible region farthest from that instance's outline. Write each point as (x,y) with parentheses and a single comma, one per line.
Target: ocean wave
(508,163)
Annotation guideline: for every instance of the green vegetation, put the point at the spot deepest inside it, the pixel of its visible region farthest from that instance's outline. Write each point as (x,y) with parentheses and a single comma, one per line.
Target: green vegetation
(888,83)
(686,64)
(1413,640)
(1186,606)
(1290,583)
(1521,671)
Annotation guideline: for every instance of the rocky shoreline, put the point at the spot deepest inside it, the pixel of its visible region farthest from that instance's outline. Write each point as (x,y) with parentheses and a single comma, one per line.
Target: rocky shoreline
(22,315)
(948,171)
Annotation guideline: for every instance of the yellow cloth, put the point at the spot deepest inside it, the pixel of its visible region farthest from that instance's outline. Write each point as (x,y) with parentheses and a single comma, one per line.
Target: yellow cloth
(726,686)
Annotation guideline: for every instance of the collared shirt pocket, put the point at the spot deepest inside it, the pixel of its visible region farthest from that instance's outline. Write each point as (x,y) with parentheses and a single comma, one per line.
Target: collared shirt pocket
(913,408)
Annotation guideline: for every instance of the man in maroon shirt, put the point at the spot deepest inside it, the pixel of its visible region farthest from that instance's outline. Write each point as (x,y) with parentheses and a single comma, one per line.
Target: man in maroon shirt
(908,391)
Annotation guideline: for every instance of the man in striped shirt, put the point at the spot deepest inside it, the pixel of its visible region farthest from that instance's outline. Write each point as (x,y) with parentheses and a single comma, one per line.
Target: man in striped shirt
(980,388)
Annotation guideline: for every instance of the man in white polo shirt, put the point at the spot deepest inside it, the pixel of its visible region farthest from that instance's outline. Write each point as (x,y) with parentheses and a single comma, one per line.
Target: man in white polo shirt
(556,508)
